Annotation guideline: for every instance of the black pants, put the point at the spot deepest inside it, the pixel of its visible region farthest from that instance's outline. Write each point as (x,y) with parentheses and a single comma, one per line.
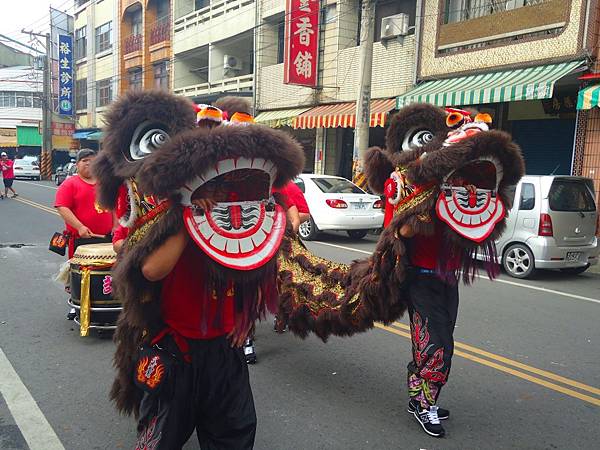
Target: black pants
(211,395)
(433,308)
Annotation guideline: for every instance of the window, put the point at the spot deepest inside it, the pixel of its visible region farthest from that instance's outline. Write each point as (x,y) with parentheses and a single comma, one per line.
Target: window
(162,9)
(104,92)
(386,8)
(37,99)
(199,4)
(280,42)
(570,195)
(80,43)
(136,22)
(104,37)
(527,202)
(135,79)
(19,99)
(161,75)
(24,100)
(330,14)
(459,10)
(330,185)
(81,94)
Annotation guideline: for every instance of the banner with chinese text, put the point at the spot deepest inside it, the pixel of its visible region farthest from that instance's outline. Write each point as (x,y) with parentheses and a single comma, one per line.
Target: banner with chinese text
(65,75)
(301,42)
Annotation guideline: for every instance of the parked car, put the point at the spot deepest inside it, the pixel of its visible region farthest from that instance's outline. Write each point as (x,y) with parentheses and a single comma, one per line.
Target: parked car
(338,204)
(32,159)
(26,169)
(64,172)
(552,225)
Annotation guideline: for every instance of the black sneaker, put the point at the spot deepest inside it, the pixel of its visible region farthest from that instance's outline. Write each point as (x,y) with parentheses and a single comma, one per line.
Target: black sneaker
(443,414)
(249,351)
(429,420)
(71,314)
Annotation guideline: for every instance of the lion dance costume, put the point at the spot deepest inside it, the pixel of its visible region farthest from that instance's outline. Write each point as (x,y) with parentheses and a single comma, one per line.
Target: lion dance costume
(446,178)
(177,370)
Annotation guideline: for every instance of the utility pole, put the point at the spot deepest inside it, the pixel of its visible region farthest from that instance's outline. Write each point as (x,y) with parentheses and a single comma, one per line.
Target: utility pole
(47,106)
(363,102)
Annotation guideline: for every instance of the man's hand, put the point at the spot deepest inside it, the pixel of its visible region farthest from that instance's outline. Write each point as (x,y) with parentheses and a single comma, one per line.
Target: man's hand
(85,232)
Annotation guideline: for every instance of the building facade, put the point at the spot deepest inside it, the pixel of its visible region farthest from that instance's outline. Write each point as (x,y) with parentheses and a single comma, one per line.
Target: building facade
(96,51)
(213,47)
(145,44)
(322,118)
(519,60)
(20,110)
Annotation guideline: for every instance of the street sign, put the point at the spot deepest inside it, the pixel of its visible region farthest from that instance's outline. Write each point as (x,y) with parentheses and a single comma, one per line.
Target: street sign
(301,42)
(65,75)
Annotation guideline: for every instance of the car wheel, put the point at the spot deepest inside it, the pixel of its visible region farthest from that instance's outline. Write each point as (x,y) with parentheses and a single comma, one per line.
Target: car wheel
(308,230)
(575,270)
(518,261)
(357,234)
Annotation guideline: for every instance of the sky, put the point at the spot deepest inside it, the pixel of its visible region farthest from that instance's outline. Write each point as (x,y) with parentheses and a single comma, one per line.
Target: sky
(29,14)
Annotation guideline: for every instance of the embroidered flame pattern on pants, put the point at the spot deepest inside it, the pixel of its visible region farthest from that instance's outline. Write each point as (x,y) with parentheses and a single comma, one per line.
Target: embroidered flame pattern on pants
(147,440)
(424,385)
(150,372)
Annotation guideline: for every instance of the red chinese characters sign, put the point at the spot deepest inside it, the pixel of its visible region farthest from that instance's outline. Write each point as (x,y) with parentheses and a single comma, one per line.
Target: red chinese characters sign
(301,42)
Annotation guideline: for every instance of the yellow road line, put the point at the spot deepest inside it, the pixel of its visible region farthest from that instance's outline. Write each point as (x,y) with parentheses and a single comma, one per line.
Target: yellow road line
(516,373)
(510,362)
(36,205)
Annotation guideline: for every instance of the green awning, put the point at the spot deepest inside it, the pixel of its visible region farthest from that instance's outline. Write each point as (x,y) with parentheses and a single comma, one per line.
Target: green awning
(29,136)
(533,83)
(589,97)
(279,118)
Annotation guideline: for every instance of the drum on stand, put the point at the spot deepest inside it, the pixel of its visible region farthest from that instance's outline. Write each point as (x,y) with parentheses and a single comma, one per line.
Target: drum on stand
(91,288)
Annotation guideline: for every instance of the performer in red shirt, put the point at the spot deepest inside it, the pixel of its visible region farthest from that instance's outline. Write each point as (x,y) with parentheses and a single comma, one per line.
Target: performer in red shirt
(8,175)
(76,203)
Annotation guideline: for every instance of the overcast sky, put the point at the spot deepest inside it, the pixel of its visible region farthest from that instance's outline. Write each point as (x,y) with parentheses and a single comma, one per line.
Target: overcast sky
(29,14)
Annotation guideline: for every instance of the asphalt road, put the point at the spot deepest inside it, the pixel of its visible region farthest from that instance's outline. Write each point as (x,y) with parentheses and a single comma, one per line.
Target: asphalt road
(525,374)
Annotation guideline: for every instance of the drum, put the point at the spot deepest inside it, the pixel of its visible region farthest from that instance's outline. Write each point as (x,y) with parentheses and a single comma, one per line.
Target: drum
(91,287)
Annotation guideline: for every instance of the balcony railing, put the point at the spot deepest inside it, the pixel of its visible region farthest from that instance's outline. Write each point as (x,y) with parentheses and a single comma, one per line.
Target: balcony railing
(215,9)
(237,84)
(160,31)
(132,44)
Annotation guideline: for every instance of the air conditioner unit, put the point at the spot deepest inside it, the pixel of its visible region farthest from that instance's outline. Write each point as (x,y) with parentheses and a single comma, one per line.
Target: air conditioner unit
(393,26)
(231,63)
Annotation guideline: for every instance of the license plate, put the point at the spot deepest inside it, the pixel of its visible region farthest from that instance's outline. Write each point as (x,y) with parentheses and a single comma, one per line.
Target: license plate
(573,256)
(360,205)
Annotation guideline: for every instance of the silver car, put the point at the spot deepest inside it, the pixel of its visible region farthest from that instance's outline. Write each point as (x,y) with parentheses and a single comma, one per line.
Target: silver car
(552,225)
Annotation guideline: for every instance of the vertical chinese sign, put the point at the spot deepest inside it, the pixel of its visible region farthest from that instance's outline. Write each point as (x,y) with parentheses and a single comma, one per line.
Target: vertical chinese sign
(65,75)
(301,42)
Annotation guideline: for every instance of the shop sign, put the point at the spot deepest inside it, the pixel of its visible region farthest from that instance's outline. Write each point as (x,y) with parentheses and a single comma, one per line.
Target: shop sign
(65,75)
(301,42)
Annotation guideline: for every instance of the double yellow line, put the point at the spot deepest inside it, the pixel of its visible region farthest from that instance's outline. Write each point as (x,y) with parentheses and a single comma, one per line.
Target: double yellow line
(36,205)
(515,368)
(541,377)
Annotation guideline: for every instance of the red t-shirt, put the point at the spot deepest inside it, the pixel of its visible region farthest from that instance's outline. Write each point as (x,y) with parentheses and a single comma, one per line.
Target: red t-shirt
(120,233)
(184,299)
(294,197)
(80,198)
(8,172)
(427,252)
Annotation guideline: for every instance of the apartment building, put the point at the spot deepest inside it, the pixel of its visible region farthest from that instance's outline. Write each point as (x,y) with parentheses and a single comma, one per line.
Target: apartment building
(96,66)
(213,47)
(322,118)
(145,44)
(519,60)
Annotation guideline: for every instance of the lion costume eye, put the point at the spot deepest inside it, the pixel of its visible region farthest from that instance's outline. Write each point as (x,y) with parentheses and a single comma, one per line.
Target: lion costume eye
(147,137)
(416,138)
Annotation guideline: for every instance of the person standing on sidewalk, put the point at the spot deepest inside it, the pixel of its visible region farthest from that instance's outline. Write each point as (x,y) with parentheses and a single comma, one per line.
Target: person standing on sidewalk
(8,174)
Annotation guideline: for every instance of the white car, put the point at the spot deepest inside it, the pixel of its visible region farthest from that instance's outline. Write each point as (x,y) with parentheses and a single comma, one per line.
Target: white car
(336,203)
(26,169)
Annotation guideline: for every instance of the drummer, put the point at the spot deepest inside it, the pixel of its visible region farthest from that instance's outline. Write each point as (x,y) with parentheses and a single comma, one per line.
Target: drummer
(76,203)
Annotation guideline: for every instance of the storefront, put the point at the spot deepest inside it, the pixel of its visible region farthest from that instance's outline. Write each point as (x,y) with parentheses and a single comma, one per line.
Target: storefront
(536,105)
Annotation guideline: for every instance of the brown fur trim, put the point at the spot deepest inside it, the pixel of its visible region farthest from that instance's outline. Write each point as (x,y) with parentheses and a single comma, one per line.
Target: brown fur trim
(108,183)
(193,152)
(421,116)
(377,169)
(232,104)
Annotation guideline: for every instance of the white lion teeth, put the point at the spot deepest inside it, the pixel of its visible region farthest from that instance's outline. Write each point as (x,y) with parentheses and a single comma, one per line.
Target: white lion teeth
(485,215)
(225,165)
(218,242)
(243,163)
(233,246)
(259,237)
(258,163)
(246,245)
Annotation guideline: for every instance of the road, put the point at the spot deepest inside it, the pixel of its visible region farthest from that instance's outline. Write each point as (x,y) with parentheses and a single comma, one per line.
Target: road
(525,374)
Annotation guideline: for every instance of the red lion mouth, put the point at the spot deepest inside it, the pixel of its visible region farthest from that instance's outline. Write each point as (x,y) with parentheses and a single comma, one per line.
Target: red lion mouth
(244,229)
